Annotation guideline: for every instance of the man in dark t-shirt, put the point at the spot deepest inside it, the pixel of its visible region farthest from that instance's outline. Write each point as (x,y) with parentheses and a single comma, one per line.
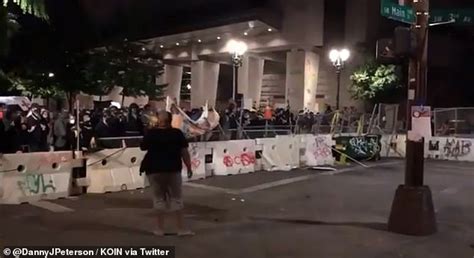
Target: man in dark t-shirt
(167,149)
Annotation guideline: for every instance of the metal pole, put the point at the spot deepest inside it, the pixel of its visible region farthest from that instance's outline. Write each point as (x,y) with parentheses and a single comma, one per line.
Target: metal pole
(412,208)
(234,81)
(78,128)
(417,90)
(338,72)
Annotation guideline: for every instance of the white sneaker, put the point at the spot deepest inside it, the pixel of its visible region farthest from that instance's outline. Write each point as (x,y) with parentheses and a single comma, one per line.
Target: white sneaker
(158,232)
(184,233)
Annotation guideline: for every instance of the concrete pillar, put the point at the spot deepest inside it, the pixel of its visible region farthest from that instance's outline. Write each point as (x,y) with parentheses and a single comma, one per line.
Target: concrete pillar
(250,78)
(173,76)
(302,68)
(243,77)
(254,90)
(204,78)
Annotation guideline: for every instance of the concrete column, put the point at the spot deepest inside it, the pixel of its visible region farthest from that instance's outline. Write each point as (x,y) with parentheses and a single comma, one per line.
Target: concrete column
(243,77)
(250,78)
(204,78)
(254,90)
(302,68)
(173,76)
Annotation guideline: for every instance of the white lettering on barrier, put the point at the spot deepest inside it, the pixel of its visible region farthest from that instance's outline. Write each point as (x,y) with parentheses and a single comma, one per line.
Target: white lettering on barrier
(233,157)
(319,150)
(30,177)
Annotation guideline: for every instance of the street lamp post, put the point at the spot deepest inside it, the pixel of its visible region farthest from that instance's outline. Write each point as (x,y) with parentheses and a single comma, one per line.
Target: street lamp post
(338,59)
(237,49)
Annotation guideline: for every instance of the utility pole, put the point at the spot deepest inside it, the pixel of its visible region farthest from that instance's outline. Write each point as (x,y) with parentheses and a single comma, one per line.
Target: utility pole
(412,209)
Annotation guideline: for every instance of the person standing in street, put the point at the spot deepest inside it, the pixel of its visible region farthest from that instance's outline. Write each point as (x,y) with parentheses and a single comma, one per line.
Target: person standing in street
(167,150)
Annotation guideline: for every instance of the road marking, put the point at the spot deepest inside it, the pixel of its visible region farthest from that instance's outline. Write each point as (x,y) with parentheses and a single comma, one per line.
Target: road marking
(287,181)
(454,168)
(51,206)
(449,190)
(307,177)
(212,188)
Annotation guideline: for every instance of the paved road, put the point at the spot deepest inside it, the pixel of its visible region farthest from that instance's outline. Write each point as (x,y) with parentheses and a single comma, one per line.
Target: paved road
(290,214)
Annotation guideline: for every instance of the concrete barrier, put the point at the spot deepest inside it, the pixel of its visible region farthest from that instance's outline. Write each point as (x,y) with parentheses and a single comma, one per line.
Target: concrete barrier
(449,148)
(233,157)
(318,150)
(198,152)
(393,146)
(280,153)
(30,177)
(115,170)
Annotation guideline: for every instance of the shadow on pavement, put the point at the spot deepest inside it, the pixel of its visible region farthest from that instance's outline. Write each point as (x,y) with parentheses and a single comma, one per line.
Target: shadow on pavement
(368,225)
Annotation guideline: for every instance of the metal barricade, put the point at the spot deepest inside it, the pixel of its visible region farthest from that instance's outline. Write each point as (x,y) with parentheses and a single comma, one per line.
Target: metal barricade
(458,122)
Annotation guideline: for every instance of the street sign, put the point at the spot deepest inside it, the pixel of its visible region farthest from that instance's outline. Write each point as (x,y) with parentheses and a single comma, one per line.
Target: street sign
(404,13)
(461,16)
(392,10)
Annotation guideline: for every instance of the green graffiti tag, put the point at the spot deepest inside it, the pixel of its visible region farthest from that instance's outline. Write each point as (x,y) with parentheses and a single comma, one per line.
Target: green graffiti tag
(35,184)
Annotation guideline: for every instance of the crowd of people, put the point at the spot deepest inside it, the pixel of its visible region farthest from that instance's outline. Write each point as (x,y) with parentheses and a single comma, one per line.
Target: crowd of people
(39,130)
(303,121)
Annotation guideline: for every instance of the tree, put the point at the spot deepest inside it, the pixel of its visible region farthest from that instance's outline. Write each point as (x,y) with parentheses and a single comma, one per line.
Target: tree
(33,7)
(8,27)
(9,11)
(376,83)
(129,65)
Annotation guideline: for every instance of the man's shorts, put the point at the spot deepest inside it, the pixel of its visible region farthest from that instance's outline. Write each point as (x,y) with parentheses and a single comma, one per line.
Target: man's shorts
(166,191)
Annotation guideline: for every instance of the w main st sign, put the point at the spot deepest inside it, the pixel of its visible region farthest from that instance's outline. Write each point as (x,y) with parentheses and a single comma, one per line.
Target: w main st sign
(401,10)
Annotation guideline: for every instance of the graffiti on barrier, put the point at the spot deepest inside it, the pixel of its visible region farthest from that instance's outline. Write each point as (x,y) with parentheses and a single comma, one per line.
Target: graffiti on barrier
(457,148)
(245,159)
(35,184)
(321,148)
(433,145)
(195,163)
(194,153)
(47,160)
(364,146)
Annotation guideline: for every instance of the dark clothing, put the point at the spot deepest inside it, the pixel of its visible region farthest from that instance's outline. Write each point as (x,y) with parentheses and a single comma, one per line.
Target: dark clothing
(164,151)
(3,138)
(103,130)
(86,134)
(44,134)
(134,125)
(9,137)
(36,132)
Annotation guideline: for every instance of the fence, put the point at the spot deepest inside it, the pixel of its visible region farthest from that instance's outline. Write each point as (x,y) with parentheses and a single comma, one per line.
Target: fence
(457,122)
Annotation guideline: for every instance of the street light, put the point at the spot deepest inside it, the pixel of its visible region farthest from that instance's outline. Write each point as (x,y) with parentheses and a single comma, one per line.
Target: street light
(338,58)
(51,75)
(237,49)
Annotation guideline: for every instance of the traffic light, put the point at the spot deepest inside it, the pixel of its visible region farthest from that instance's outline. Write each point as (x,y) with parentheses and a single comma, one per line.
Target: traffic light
(404,42)
(385,53)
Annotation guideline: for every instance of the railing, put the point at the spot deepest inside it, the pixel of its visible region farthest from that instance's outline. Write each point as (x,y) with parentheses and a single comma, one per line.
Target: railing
(457,122)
